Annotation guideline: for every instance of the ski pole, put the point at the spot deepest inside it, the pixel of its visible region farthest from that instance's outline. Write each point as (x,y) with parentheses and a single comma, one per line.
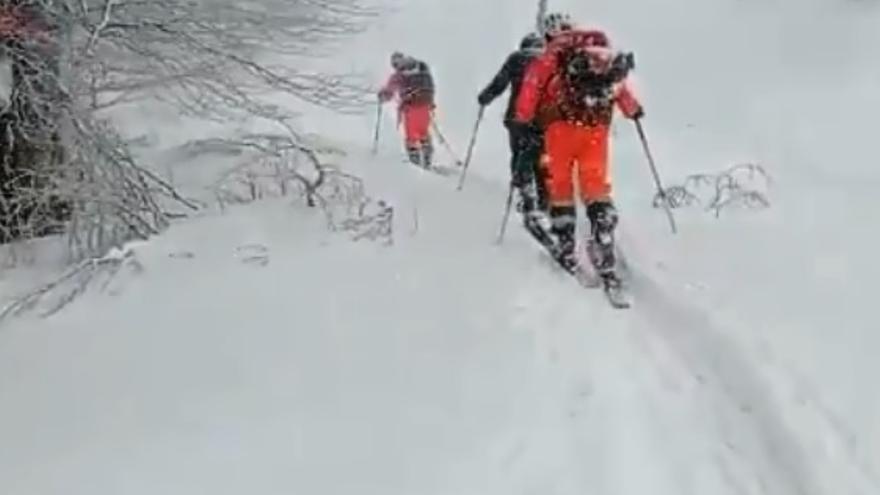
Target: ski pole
(506,215)
(470,150)
(378,123)
(542,12)
(653,166)
(443,141)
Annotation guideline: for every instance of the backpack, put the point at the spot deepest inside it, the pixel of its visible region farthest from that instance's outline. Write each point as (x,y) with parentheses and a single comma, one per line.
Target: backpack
(588,77)
(592,74)
(417,84)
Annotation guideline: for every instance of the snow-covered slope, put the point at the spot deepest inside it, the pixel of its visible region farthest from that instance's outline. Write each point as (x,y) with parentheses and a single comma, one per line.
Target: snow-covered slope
(258,352)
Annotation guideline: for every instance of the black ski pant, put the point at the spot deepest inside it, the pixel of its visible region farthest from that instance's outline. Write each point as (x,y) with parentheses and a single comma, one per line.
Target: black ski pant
(526,146)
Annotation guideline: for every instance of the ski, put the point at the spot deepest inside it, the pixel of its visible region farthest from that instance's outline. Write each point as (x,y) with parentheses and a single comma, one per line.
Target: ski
(441,170)
(611,283)
(582,276)
(615,293)
(612,286)
(586,279)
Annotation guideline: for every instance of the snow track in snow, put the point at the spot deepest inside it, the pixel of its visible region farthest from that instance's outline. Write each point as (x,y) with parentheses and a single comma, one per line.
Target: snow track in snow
(656,399)
(754,450)
(762,444)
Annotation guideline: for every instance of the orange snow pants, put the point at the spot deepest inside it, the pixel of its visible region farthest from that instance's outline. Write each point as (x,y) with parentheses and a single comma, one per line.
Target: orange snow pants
(416,120)
(568,145)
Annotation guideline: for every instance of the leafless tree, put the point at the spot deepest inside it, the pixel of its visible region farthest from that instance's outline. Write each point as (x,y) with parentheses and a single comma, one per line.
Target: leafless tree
(65,165)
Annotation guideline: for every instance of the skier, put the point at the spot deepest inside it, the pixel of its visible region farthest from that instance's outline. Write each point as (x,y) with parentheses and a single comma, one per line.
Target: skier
(525,142)
(413,84)
(570,92)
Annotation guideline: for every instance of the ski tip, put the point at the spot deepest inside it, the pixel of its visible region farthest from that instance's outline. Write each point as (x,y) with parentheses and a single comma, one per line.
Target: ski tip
(618,301)
(621,305)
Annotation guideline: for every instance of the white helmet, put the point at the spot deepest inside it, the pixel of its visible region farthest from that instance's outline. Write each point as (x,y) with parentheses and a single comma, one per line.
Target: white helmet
(555,23)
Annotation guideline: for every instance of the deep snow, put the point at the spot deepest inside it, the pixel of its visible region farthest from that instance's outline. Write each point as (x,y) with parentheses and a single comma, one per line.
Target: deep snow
(445,364)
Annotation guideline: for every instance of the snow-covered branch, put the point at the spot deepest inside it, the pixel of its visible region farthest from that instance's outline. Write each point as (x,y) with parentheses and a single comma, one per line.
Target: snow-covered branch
(744,184)
(74,282)
(65,166)
(280,164)
(210,58)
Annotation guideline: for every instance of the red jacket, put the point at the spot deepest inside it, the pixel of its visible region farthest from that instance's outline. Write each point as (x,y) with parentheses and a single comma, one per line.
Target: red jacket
(545,97)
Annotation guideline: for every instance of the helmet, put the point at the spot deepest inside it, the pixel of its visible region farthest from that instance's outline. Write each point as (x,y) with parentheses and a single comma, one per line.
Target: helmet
(554,23)
(531,41)
(397,59)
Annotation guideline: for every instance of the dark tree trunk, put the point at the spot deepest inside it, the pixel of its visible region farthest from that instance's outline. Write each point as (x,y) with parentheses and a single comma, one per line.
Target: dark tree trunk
(30,146)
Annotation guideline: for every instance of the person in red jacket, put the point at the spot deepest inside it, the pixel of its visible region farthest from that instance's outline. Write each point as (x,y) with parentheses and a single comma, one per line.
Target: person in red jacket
(570,93)
(413,85)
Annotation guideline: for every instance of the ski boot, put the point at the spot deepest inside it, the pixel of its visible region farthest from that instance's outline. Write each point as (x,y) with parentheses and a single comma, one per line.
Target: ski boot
(414,153)
(563,221)
(600,250)
(420,153)
(525,201)
(534,220)
(427,152)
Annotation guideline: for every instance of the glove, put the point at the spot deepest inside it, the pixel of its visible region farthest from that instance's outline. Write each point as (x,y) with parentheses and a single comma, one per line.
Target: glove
(483,99)
(638,114)
(622,64)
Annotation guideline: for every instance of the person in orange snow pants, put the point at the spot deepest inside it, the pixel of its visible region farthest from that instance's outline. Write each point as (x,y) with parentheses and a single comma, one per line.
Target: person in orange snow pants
(571,92)
(413,84)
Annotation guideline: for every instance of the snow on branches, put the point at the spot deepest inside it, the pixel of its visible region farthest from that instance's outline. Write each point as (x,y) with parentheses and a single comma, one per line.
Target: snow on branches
(215,57)
(742,185)
(278,165)
(55,295)
(65,167)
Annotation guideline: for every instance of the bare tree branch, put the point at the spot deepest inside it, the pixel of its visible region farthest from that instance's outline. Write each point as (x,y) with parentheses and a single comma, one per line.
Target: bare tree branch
(743,184)
(66,168)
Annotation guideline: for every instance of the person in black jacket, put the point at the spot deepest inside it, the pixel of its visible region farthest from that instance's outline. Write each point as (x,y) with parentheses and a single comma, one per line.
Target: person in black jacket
(526,144)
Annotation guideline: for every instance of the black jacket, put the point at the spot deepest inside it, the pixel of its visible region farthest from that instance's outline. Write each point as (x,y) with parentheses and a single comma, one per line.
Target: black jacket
(511,74)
